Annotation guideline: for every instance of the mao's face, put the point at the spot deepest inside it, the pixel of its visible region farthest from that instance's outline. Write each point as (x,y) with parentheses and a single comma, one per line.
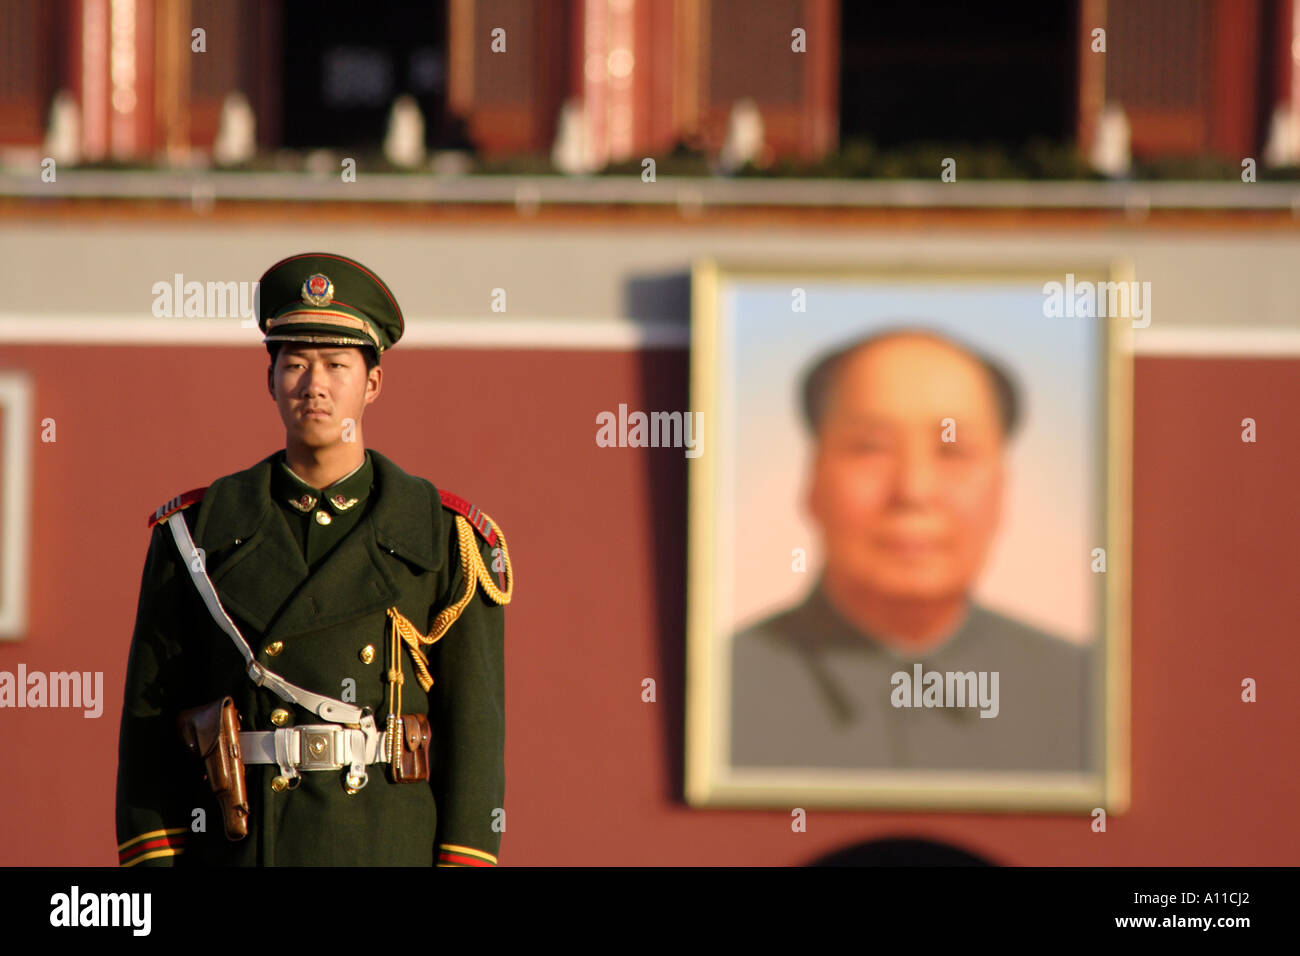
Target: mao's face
(904,514)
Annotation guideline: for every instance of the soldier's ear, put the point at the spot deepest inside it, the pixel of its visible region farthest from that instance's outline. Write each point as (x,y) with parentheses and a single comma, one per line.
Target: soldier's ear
(374,382)
(270,379)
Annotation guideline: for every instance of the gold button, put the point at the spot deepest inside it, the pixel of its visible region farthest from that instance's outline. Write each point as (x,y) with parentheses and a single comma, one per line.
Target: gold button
(274,648)
(323,517)
(367,654)
(280,784)
(279,716)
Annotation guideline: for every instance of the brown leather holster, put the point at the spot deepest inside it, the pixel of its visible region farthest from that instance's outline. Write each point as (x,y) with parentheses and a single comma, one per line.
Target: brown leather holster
(412,763)
(212,732)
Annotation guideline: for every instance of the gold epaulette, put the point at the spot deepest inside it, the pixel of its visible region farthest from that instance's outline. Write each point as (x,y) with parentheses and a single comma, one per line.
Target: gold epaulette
(475,574)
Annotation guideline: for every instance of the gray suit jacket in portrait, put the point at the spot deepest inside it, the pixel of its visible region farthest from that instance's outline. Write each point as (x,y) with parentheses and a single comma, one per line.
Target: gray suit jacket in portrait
(810,690)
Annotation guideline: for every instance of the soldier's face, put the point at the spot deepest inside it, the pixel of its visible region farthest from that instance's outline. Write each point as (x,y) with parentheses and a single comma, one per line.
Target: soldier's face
(904,514)
(322,393)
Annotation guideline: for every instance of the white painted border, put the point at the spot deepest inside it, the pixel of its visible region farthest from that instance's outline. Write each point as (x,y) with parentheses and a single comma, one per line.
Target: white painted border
(15,501)
(615,335)
(1238,342)
(601,334)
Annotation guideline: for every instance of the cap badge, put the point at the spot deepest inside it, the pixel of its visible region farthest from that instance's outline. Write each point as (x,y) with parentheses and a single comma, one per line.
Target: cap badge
(318,290)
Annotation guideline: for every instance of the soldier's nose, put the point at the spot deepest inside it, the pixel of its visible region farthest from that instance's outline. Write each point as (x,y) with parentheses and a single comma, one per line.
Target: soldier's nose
(310,385)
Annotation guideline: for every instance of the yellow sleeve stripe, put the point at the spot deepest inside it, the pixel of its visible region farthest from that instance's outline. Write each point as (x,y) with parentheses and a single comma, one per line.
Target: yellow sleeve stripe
(166,851)
(468,851)
(149,836)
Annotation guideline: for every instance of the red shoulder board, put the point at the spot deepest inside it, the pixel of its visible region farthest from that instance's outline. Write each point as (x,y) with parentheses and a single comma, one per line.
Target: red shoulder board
(169,508)
(471,514)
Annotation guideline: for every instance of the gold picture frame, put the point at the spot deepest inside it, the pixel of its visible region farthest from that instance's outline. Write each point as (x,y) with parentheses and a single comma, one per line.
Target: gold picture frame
(711,780)
(15,501)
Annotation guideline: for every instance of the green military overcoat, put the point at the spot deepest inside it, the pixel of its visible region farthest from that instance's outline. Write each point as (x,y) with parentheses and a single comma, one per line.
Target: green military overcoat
(404,553)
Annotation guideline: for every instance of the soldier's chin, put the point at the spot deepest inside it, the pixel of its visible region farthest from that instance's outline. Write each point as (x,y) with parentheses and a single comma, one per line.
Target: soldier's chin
(316,433)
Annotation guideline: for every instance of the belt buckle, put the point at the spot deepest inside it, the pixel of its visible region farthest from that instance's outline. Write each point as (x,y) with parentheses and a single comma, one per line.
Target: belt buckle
(318,749)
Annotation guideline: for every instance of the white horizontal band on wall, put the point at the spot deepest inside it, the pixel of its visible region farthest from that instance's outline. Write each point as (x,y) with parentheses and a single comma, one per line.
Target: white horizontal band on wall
(483,333)
(1245,342)
(612,335)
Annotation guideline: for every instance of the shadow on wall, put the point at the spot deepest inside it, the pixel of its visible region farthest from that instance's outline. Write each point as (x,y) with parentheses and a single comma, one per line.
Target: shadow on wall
(901,851)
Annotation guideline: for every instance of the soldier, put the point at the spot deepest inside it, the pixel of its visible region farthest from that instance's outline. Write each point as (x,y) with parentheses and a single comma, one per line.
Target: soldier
(319,634)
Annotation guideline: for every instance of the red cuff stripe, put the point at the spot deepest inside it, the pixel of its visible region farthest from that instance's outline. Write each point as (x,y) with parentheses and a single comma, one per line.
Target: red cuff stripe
(174,842)
(446,856)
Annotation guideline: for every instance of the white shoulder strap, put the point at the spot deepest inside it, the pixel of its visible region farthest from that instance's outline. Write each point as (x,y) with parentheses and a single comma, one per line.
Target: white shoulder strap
(325,707)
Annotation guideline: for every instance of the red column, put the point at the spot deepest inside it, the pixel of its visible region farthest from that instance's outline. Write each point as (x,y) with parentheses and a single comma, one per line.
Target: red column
(822,79)
(1234,89)
(91,53)
(1282,30)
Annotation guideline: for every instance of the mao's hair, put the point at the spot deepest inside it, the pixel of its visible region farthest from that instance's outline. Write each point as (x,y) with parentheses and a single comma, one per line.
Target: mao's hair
(820,378)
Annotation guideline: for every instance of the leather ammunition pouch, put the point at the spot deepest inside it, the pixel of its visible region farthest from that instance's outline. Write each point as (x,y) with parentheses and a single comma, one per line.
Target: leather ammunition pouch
(212,732)
(411,763)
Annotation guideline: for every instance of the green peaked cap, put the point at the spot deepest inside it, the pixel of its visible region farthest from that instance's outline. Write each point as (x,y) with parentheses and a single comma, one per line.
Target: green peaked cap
(327,299)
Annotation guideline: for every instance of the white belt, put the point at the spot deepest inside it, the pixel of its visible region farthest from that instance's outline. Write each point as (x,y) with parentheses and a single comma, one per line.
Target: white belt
(313,747)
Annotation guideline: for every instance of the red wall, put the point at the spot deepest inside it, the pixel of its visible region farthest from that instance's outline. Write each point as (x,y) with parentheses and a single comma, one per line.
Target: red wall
(598,539)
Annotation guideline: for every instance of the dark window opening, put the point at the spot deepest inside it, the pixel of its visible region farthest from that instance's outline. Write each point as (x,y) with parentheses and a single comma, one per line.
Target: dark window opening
(344,64)
(955,71)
